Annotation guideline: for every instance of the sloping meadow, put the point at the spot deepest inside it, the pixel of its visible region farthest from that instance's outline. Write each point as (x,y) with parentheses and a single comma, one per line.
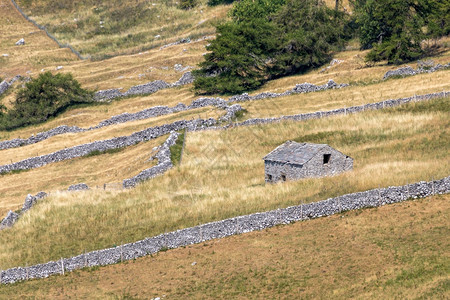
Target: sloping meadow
(222,175)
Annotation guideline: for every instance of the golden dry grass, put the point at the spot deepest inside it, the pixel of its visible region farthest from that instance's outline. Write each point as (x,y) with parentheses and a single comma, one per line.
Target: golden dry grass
(94,171)
(222,175)
(349,96)
(38,46)
(104,28)
(396,251)
(59,142)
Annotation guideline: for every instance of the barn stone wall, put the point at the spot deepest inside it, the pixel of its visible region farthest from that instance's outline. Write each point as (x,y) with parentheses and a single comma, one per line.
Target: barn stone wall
(338,163)
(313,168)
(228,227)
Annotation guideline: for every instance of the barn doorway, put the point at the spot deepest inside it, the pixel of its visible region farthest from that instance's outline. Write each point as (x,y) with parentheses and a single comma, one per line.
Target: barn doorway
(326,158)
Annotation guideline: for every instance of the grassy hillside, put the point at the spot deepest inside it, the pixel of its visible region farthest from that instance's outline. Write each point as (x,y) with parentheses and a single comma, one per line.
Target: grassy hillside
(110,28)
(396,251)
(222,175)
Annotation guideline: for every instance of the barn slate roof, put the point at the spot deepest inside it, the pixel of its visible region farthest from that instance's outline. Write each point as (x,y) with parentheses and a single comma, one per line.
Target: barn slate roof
(294,153)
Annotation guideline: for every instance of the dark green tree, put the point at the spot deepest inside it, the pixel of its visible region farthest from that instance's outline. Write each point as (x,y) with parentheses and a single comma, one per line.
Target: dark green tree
(394,29)
(187,4)
(438,22)
(239,58)
(268,39)
(46,96)
(311,32)
(217,2)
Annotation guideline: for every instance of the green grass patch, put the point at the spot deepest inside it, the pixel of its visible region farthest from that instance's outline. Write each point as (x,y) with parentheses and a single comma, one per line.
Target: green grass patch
(109,151)
(176,150)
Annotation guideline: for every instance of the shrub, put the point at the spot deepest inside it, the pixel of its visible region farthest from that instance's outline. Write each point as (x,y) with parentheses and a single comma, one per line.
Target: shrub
(43,97)
(217,2)
(187,4)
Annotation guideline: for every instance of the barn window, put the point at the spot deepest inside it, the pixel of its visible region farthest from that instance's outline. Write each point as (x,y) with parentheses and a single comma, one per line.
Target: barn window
(326,158)
(283,177)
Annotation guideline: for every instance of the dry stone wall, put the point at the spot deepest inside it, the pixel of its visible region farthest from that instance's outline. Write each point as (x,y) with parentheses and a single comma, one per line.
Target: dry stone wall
(142,89)
(343,111)
(164,110)
(164,163)
(5,85)
(12,217)
(61,45)
(114,143)
(298,89)
(199,124)
(228,227)
(78,187)
(422,68)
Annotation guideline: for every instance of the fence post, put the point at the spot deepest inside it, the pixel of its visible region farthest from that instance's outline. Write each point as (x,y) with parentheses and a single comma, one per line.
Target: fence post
(104,186)
(407,189)
(62,266)
(432,185)
(379,196)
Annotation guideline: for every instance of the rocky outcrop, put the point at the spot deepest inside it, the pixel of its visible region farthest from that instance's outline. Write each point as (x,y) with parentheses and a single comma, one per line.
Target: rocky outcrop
(20,42)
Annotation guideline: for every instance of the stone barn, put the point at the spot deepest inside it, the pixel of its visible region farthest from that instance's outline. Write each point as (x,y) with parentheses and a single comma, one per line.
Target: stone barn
(292,161)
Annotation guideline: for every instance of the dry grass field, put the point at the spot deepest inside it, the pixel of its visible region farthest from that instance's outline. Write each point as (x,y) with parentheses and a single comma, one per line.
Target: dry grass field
(109,28)
(222,175)
(398,251)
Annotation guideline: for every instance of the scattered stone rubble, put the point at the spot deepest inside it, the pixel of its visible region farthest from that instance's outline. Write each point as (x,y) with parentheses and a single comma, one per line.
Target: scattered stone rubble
(422,67)
(164,163)
(228,227)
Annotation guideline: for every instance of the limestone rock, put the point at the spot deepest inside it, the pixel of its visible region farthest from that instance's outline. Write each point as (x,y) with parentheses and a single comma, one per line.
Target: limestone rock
(20,42)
